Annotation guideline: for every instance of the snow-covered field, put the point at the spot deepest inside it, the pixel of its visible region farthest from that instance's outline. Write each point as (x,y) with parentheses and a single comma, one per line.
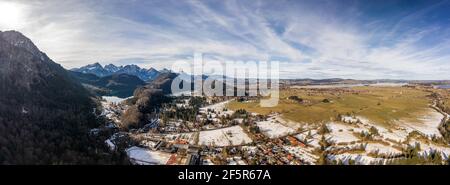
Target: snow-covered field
(215,111)
(398,134)
(381,149)
(359,159)
(426,148)
(428,124)
(218,107)
(303,153)
(345,137)
(342,133)
(311,137)
(234,135)
(142,156)
(272,128)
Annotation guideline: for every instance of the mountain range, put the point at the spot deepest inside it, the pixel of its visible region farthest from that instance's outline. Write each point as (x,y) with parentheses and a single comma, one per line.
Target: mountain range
(110,69)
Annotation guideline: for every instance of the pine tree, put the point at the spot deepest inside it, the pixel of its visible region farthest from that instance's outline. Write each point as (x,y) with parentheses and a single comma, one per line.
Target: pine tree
(323,158)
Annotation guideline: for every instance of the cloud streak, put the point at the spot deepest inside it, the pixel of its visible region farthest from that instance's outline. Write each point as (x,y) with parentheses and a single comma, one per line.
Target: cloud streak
(313,39)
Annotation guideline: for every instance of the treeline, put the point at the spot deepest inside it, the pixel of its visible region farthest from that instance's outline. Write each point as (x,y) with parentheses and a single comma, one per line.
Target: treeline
(411,156)
(444,127)
(49,125)
(143,107)
(45,114)
(186,113)
(147,101)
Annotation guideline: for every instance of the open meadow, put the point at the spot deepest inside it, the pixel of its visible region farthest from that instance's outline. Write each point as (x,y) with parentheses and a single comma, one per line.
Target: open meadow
(381,105)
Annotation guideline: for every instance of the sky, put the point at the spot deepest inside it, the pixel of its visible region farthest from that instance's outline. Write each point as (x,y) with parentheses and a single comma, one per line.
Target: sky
(378,39)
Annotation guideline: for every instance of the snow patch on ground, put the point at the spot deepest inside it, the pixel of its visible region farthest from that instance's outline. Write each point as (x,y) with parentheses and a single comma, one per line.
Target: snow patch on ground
(359,159)
(349,119)
(311,137)
(272,128)
(110,144)
(113,99)
(218,107)
(234,135)
(426,148)
(303,153)
(398,134)
(428,124)
(142,156)
(341,133)
(381,149)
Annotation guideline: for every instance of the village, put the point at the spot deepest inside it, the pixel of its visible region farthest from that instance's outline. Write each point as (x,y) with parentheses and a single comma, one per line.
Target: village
(194,130)
(218,136)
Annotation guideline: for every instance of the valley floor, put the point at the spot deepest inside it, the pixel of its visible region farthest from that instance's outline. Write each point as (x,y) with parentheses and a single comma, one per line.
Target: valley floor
(223,134)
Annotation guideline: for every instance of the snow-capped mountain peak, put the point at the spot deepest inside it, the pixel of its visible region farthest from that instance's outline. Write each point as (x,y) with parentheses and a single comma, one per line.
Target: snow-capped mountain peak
(112,68)
(132,69)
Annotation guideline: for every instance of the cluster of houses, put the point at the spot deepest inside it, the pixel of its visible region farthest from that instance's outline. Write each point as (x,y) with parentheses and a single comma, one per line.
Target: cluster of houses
(177,141)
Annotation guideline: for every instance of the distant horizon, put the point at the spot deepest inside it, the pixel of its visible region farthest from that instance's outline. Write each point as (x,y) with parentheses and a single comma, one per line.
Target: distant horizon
(299,78)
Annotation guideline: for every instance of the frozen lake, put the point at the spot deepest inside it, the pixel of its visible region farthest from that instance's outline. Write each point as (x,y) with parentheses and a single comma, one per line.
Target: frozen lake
(443,86)
(349,85)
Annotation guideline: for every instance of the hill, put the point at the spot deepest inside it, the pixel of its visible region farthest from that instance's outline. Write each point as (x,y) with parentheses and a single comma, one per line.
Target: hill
(45,114)
(120,85)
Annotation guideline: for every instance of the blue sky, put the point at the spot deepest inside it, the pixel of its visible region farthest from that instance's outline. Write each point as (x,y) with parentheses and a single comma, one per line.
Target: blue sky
(313,39)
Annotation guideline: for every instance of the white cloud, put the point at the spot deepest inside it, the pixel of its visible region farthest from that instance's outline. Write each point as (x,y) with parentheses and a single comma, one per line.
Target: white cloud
(314,42)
